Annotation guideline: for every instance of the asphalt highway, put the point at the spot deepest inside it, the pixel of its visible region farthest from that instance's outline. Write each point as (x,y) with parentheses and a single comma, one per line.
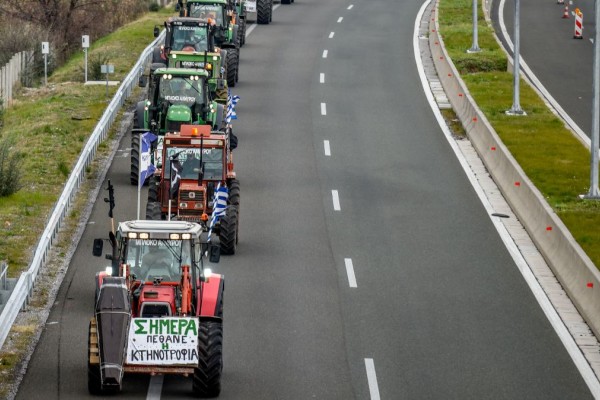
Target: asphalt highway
(562,64)
(366,266)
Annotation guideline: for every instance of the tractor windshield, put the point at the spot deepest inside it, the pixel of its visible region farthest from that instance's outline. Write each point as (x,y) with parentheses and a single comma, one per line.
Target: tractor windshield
(181,90)
(206,11)
(189,159)
(153,258)
(189,38)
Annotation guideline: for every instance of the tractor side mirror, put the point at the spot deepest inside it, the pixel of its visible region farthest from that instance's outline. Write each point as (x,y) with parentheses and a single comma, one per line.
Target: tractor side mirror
(143,81)
(156,31)
(220,84)
(214,252)
(97,248)
(177,7)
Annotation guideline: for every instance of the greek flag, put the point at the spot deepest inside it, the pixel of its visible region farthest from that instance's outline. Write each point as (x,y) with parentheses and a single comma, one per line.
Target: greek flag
(231,103)
(146,167)
(175,177)
(219,207)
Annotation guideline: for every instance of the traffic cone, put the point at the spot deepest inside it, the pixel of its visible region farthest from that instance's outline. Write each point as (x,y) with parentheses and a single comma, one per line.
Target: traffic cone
(578,24)
(566,11)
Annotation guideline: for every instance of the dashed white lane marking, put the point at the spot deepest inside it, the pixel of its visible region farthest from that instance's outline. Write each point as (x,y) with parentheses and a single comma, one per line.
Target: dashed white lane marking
(322,77)
(350,272)
(323,109)
(326,147)
(340,19)
(372,379)
(155,387)
(331,35)
(336,200)
(325,53)
(350,6)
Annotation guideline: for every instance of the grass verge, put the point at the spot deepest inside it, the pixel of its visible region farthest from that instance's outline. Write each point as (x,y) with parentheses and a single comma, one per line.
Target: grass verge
(555,161)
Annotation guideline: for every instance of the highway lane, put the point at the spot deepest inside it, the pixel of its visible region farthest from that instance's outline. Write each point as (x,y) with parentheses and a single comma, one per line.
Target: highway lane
(562,64)
(439,309)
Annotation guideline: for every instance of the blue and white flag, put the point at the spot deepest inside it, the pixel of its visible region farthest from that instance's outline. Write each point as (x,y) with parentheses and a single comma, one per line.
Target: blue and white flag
(219,207)
(176,169)
(231,103)
(146,166)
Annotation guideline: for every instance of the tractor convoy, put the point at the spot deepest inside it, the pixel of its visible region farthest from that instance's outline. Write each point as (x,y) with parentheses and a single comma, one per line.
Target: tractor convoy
(158,309)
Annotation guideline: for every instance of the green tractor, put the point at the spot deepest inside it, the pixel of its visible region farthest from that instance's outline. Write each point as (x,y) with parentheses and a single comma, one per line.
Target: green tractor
(176,96)
(223,14)
(192,43)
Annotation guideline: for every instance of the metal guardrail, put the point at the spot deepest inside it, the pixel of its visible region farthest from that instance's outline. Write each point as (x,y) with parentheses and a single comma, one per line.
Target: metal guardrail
(20,294)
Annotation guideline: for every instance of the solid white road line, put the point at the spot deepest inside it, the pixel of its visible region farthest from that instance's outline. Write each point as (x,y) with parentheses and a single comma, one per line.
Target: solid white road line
(340,19)
(350,272)
(323,109)
(372,379)
(336,200)
(325,53)
(331,35)
(322,77)
(326,147)
(350,6)
(155,387)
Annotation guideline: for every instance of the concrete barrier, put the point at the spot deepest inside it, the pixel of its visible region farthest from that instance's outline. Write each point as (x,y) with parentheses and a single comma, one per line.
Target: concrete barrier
(573,268)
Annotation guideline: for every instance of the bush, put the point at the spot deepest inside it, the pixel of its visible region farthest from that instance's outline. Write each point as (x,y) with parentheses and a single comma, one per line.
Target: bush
(154,7)
(95,64)
(10,170)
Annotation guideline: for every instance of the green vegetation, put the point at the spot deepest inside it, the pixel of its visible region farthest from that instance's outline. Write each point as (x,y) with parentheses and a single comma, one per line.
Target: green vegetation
(49,126)
(555,161)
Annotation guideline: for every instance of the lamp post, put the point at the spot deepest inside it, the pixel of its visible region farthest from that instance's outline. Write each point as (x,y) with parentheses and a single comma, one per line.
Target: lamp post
(593,193)
(516,107)
(475,46)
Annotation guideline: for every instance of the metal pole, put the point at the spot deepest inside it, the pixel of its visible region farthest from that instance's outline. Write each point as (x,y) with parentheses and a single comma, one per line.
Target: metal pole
(85,64)
(593,193)
(45,70)
(516,107)
(475,46)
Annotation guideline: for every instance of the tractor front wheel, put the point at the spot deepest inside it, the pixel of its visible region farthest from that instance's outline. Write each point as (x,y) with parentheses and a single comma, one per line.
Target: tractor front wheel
(153,211)
(207,377)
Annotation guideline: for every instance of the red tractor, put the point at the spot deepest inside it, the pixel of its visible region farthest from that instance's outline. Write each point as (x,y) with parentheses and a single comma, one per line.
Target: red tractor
(196,164)
(157,310)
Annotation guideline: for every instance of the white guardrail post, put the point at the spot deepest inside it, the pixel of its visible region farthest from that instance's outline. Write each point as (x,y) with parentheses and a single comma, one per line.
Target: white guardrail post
(20,294)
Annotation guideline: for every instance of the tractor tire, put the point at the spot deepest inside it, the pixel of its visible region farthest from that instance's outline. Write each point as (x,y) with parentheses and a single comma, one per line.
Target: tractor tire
(93,370)
(135,158)
(270,11)
(206,381)
(234,193)
(233,59)
(264,8)
(228,231)
(153,211)
(152,189)
(242,32)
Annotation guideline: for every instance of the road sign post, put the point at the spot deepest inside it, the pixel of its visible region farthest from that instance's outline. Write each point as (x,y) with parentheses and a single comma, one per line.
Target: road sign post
(475,46)
(85,43)
(107,69)
(45,52)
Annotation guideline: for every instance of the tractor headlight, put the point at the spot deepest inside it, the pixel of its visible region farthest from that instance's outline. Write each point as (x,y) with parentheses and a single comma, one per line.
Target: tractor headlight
(183,205)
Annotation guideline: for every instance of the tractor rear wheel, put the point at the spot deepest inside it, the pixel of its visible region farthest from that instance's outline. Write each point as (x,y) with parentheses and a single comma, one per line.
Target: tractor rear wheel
(234,192)
(153,211)
(135,158)
(207,377)
(228,231)
(263,11)
(233,59)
